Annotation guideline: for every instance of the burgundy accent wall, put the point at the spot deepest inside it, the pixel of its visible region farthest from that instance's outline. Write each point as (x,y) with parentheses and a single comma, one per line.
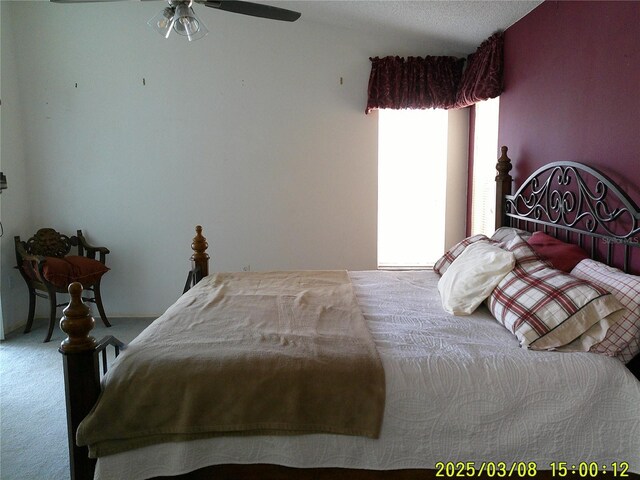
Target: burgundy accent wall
(572,90)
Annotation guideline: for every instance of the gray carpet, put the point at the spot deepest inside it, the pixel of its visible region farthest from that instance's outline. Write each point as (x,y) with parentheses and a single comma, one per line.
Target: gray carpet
(33,428)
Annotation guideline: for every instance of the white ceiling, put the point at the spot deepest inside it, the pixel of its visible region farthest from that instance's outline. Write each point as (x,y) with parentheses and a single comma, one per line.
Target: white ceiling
(450,27)
(447,27)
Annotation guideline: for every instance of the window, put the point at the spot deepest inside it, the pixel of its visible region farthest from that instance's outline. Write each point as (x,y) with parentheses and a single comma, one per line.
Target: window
(412,177)
(483,189)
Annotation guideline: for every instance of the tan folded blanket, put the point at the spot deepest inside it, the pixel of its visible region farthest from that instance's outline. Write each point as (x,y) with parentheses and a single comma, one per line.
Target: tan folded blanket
(244,353)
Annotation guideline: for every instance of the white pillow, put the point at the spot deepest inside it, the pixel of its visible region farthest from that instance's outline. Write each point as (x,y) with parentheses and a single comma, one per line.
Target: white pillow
(472,277)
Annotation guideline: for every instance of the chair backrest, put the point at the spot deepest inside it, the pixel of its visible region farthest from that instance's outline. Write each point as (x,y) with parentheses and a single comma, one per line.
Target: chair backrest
(49,243)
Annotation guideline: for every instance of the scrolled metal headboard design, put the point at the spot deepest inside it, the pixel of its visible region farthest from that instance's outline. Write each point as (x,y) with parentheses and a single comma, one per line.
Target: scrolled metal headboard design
(576,198)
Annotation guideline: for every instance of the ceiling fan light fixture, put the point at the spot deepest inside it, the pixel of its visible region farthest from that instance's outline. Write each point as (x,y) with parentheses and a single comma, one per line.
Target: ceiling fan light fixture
(162,22)
(180,17)
(186,23)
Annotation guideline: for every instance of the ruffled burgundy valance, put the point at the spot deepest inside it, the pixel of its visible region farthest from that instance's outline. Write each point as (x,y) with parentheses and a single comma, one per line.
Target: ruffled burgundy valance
(414,82)
(437,82)
(483,77)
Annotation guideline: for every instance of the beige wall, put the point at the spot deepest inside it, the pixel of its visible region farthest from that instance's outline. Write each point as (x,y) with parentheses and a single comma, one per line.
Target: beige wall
(249,132)
(15,211)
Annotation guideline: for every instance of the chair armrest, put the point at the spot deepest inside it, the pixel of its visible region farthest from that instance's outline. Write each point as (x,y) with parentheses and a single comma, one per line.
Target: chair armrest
(36,261)
(91,250)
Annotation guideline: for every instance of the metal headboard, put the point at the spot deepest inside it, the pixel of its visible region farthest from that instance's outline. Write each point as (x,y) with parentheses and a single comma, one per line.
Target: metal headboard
(577,202)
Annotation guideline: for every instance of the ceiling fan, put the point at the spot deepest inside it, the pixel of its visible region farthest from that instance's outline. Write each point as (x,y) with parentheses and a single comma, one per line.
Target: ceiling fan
(180,17)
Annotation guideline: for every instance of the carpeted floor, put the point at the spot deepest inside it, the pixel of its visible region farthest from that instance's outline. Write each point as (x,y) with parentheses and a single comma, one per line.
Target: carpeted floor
(33,429)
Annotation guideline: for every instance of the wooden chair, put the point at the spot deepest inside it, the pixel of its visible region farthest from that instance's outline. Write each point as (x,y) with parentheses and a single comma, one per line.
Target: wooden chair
(48,269)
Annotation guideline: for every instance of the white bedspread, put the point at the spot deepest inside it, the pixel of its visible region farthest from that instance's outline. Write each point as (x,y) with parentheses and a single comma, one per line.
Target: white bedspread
(458,389)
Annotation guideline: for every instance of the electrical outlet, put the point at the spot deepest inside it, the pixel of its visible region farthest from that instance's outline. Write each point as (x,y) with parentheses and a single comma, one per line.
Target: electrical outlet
(246,268)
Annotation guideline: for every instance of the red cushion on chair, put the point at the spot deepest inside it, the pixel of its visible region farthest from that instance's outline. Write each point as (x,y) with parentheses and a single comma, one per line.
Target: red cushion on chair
(63,271)
(87,271)
(57,271)
(563,256)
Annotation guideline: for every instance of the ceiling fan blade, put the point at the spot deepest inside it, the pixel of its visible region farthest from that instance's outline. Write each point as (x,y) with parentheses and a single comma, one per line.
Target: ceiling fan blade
(95,1)
(84,1)
(253,9)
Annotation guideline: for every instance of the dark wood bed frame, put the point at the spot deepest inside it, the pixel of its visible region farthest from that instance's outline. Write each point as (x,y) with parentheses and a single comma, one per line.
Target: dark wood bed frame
(582,210)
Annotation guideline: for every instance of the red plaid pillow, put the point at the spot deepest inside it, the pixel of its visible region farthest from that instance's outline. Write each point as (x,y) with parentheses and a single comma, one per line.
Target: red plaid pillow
(622,339)
(526,258)
(506,234)
(447,259)
(543,307)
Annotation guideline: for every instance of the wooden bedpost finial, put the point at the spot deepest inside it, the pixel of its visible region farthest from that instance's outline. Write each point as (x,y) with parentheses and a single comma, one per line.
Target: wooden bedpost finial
(77,322)
(200,256)
(503,166)
(503,187)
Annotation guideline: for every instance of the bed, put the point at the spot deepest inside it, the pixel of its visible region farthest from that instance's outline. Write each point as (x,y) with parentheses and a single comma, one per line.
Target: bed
(462,395)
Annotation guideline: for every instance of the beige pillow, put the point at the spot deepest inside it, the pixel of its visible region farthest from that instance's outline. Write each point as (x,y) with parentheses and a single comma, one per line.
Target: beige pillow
(450,255)
(472,276)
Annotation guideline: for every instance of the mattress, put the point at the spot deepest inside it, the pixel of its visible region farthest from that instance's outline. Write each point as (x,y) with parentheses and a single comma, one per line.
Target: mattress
(459,389)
